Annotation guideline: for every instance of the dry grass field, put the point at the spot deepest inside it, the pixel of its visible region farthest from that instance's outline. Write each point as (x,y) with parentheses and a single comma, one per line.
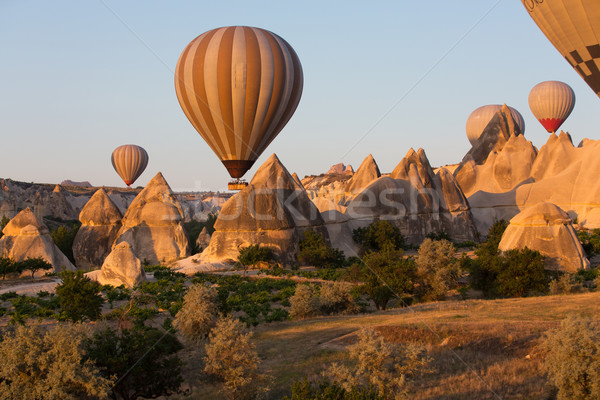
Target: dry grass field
(480,349)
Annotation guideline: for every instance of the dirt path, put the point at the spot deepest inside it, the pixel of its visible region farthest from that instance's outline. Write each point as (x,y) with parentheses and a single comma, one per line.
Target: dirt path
(31,288)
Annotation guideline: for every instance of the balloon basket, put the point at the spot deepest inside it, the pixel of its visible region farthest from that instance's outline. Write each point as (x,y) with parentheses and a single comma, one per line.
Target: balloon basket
(237,185)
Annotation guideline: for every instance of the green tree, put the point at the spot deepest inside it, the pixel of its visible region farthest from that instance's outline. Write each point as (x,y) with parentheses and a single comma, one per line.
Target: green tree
(387,274)
(49,366)
(522,273)
(198,314)
(79,297)
(143,360)
(5,220)
(315,251)
(253,254)
(7,266)
(437,269)
(378,236)
(483,271)
(34,265)
(231,357)
(572,359)
(63,237)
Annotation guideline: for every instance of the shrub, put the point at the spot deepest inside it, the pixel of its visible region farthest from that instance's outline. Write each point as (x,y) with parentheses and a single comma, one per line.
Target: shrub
(5,220)
(7,266)
(573,358)
(51,365)
(144,359)
(590,241)
(385,367)
(562,285)
(198,314)
(253,254)
(522,273)
(79,297)
(437,269)
(336,297)
(378,236)
(63,238)
(386,275)
(304,302)
(314,251)
(230,356)
(326,390)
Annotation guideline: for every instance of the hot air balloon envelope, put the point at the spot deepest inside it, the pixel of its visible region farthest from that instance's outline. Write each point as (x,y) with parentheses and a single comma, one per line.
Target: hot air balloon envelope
(573,27)
(238,86)
(481,117)
(551,102)
(129,161)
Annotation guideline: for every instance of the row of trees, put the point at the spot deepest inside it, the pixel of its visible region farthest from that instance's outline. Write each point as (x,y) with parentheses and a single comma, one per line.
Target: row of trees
(8,266)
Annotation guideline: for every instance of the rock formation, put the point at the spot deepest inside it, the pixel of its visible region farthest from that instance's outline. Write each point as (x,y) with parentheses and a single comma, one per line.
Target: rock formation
(340,168)
(121,267)
(273,210)
(203,239)
(153,226)
(548,229)
(366,173)
(100,222)
(26,237)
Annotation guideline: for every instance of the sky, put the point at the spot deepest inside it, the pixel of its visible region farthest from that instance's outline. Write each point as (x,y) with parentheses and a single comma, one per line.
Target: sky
(80,78)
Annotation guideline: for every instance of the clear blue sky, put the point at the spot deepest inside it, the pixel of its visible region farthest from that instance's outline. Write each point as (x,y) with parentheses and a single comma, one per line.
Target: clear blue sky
(75,82)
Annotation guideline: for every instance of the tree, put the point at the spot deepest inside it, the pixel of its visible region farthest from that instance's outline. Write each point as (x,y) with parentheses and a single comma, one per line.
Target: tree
(386,274)
(522,273)
(33,265)
(5,220)
(378,236)
(254,254)
(483,272)
(437,269)
(63,237)
(315,251)
(198,314)
(143,360)
(304,303)
(79,297)
(7,266)
(50,365)
(336,297)
(573,358)
(231,357)
(382,366)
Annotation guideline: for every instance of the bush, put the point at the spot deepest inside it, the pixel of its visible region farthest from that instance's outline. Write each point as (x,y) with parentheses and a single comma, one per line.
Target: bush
(230,356)
(252,255)
(378,236)
(437,269)
(5,220)
(198,314)
(51,365)
(522,274)
(314,251)
(326,390)
(385,367)
(63,238)
(590,241)
(573,358)
(7,266)
(563,285)
(304,303)
(79,297)
(336,297)
(144,359)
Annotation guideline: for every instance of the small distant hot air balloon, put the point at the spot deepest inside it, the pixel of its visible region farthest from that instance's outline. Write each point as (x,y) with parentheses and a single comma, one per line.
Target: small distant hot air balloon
(551,102)
(129,161)
(238,86)
(573,27)
(482,116)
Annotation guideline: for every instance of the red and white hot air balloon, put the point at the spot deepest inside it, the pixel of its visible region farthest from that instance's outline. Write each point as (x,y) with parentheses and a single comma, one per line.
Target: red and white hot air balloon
(482,116)
(129,161)
(551,102)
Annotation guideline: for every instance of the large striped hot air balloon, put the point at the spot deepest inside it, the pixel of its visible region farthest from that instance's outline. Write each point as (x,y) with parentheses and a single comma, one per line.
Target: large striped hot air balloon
(551,102)
(482,116)
(573,27)
(129,161)
(238,86)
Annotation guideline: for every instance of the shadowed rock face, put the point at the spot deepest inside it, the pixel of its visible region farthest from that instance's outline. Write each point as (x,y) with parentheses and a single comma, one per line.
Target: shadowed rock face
(26,237)
(273,210)
(548,229)
(101,221)
(121,267)
(366,173)
(153,226)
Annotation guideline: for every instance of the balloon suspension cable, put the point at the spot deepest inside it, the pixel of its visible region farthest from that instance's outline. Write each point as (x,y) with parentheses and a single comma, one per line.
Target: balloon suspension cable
(237,184)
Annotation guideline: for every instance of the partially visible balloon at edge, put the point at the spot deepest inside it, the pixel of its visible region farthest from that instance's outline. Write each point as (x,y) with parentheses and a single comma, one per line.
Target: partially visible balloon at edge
(551,102)
(573,27)
(129,161)
(482,116)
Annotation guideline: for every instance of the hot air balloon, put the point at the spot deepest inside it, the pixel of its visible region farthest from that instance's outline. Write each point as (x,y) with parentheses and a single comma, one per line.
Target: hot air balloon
(482,116)
(129,161)
(551,102)
(573,27)
(238,86)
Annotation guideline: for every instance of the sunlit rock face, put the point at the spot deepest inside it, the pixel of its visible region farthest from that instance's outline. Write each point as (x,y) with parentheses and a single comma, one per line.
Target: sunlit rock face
(153,226)
(548,229)
(26,237)
(121,267)
(273,210)
(100,222)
